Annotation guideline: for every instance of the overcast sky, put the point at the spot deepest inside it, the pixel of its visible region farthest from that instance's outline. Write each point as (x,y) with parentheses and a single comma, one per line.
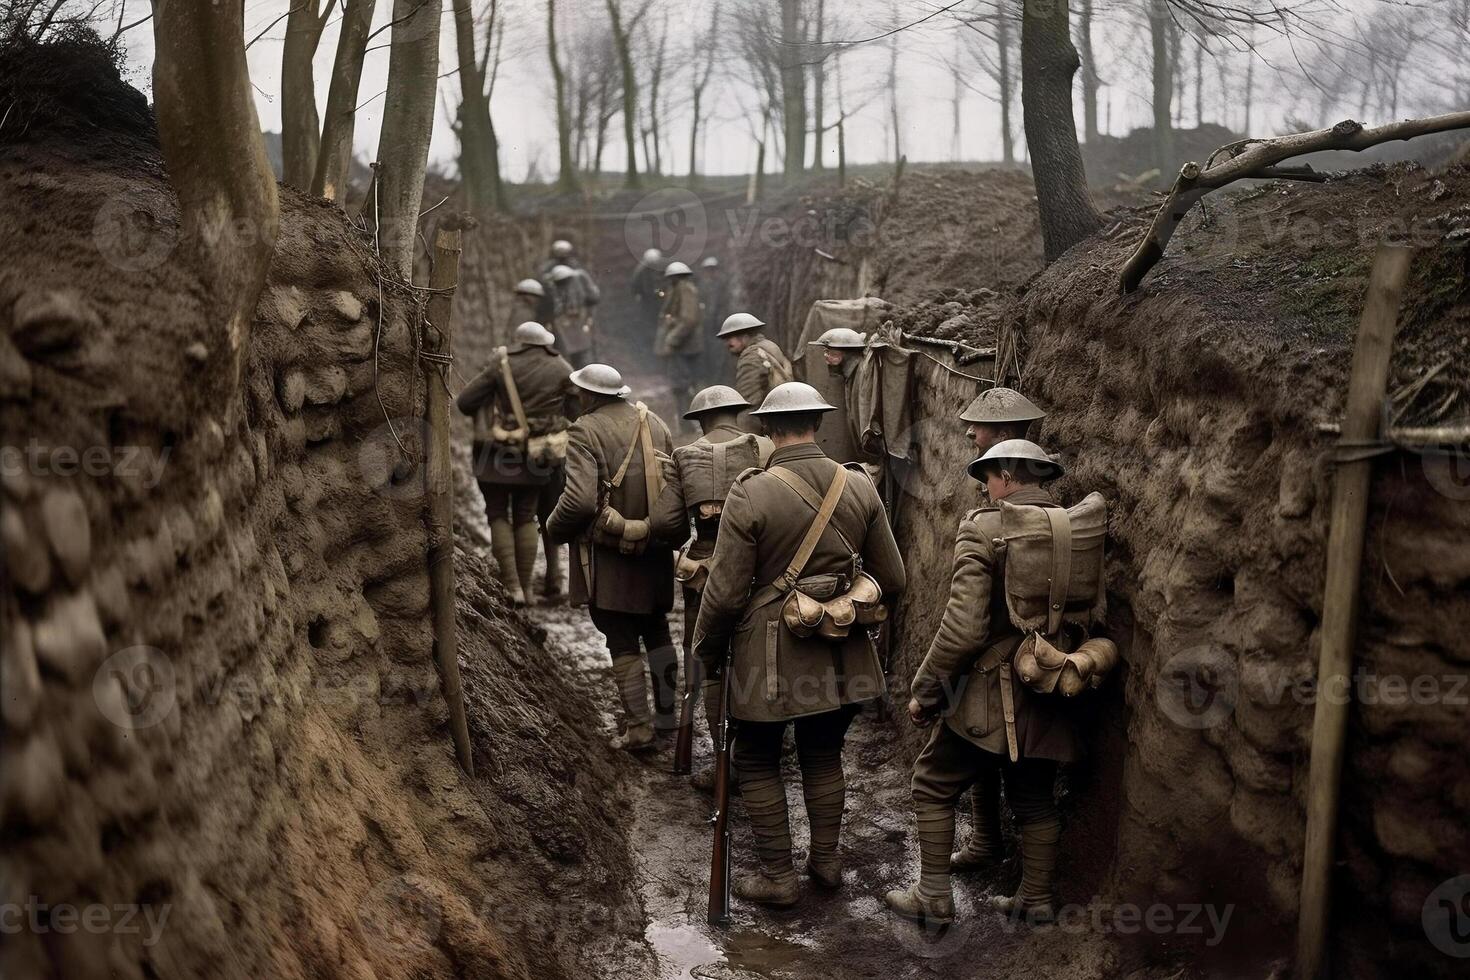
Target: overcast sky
(522,103)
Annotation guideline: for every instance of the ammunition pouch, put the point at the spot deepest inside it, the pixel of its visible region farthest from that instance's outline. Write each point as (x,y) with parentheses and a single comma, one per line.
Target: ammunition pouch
(500,435)
(1046,668)
(549,449)
(613,530)
(828,606)
(691,573)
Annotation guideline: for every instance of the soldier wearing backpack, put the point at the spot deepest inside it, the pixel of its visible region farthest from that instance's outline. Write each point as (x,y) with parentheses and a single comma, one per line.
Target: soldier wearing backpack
(1012,647)
(760,364)
(614,474)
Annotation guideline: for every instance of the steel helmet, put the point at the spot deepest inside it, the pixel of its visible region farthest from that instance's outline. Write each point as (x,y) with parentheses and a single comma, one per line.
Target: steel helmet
(843,338)
(1017,451)
(710,262)
(651,256)
(739,323)
(530,287)
(678,269)
(715,397)
(533,333)
(1001,405)
(561,248)
(602,379)
(560,273)
(793,396)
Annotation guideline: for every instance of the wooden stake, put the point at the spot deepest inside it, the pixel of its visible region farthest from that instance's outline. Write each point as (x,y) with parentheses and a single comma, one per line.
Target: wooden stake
(439,482)
(1366,387)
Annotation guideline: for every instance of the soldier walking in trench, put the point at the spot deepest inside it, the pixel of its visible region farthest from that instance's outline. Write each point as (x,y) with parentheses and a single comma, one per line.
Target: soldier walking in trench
(679,342)
(521,405)
(614,474)
(696,482)
(575,295)
(1028,582)
(803,557)
(760,364)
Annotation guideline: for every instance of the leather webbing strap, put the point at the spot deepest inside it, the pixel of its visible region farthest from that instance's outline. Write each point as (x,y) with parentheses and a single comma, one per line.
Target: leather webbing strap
(720,449)
(825,510)
(1008,708)
(511,391)
(633,444)
(803,488)
(653,474)
(1061,566)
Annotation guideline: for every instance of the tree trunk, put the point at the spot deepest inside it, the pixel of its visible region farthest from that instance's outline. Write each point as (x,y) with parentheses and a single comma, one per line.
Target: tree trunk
(654,115)
(819,87)
(1250,69)
(1007,89)
(793,88)
(408,124)
(893,98)
(694,136)
(1199,84)
(1048,62)
(334,157)
(630,95)
(479,152)
(1163,86)
(228,212)
(566,173)
(841,152)
(1090,83)
(300,125)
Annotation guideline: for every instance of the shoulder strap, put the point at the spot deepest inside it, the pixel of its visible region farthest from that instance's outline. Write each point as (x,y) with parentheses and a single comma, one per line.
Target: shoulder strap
(511,391)
(653,473)
(719,464)
(806,492)
(1061,566)
(825,510)
(617,479)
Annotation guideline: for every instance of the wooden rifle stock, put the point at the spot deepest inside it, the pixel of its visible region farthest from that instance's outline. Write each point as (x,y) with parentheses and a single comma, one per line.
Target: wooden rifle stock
(719,867)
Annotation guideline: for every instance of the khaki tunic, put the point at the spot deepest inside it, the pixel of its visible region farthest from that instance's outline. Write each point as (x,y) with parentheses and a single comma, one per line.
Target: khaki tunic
(619,583)
(974,621)
(778,675)
(679,325)
(548,397)
(757,365)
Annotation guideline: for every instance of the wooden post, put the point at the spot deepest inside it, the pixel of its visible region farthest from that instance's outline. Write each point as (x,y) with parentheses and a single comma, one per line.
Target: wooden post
(1361,421)
(439,480)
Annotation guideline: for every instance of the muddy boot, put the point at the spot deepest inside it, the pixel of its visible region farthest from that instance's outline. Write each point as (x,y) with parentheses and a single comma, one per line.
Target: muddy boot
(779,890)
(825,871)
(525,537)
(823,788)
(551,587)
(983,849)
(663,664)
(912,904)
(633,690)
(1035,899)
(503,547)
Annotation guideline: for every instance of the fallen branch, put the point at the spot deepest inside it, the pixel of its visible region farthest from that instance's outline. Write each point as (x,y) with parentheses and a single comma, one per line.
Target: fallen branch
(1259,159)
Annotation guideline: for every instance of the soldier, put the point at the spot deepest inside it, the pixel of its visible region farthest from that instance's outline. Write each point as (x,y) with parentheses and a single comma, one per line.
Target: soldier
(994,728)
(647,288)
(842,351)
(679,341)
(696,481)
(760,365)
(521,405)
(992,417)
(717,296)
(532,303)
(795,537)
(561,254)
(614,473)
(575,294)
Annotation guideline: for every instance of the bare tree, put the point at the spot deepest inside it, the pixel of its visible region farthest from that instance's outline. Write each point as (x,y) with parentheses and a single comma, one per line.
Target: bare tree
(657,61)
(408,124)
(893,97)
(706,44)
(992,39)
(300,125)
(216,159)
(1161,31)
(1090,81)
(819,83)
(793,86)
(479,153)
(1048,62)
(334,154)
(757,46)
(622,39)
(566,174)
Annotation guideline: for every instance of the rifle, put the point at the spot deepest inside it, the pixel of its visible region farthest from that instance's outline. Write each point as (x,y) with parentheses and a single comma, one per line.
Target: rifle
(719,866)
(684,736)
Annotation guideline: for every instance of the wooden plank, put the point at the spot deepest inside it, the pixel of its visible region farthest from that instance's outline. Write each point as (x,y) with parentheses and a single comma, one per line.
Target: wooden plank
(1367,385)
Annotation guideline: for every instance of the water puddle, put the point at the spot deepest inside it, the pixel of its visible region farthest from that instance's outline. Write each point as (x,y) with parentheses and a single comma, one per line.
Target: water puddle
(686,952)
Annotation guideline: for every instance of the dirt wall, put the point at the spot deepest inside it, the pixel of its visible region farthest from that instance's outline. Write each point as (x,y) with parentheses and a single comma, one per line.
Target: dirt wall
(225,751)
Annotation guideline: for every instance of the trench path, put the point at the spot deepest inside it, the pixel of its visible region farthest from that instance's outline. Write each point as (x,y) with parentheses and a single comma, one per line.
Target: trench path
(847,933)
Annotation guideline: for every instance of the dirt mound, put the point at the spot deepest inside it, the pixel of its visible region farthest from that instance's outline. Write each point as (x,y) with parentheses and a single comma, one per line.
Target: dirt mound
(223,727)
(1113,159)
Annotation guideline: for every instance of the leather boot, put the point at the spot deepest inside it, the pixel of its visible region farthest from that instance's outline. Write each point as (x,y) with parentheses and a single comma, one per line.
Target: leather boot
(1035,899)
(551,587)
(983,850)
(503,547)
(911,904)
(779,891)
(525,537)
(825,870)
(633,690)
